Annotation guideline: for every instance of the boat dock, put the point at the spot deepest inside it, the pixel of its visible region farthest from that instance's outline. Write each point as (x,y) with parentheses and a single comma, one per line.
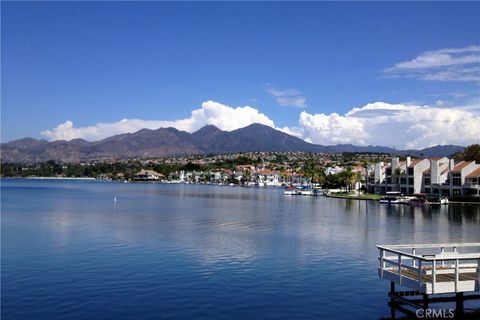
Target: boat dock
(433,272)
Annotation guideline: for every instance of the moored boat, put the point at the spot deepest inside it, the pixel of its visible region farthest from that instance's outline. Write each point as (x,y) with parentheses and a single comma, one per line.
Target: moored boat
(308,191)
(437,199)
(394,197)
(290,191)
(303,191)
(419,199)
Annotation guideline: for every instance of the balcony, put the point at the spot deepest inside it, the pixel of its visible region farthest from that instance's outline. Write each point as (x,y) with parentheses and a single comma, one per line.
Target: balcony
(471,185)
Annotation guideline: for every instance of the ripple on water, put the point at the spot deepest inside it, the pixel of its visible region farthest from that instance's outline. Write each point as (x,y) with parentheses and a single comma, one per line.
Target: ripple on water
(201,252)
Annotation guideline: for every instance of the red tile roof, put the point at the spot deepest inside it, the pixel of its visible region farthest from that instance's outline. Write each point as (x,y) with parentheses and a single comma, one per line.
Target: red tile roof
(415,162)
(461,165)
(474,174)
(266,171)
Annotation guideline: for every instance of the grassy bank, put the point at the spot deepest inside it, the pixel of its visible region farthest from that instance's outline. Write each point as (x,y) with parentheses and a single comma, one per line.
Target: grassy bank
(355,196)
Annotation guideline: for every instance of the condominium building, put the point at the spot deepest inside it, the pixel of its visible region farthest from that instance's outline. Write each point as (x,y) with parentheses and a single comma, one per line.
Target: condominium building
(472,183)
(430,175)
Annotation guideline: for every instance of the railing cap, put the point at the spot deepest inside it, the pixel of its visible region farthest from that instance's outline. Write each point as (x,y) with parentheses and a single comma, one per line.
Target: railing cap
(428,245)
(433,257)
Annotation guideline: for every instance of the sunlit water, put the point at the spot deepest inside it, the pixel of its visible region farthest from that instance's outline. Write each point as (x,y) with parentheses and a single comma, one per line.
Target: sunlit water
(191,251)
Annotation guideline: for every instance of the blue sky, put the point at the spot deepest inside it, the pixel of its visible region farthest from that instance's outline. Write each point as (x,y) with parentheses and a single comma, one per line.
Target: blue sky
(295,64)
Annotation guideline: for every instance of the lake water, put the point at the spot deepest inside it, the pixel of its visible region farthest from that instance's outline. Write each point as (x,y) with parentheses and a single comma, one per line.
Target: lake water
(206,252)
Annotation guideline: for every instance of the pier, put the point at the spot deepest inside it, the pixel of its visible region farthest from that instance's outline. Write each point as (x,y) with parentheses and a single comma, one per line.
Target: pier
(432,273)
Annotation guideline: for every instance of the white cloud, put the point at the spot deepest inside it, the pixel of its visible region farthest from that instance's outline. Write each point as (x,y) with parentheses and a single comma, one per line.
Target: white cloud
(223,116)
(404,126)
(332,129)
(400,125)
(450,64)
(287,97)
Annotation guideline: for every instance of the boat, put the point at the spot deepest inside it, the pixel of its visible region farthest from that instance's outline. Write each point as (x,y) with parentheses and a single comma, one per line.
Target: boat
(290,191)
(437,199)
(308,191)
(303,191)
(419,199)
(394,197)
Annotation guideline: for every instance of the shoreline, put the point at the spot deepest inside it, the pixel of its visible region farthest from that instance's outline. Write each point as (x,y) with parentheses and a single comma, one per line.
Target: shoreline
(475,203)
(50,178)
(352,197)
(336,196)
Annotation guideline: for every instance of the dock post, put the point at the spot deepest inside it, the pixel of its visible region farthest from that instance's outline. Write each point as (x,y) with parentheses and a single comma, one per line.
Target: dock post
(392,299)
(459,305)
(425,301)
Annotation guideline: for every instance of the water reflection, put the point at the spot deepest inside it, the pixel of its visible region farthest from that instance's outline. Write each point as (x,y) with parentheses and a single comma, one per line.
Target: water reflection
(251,244)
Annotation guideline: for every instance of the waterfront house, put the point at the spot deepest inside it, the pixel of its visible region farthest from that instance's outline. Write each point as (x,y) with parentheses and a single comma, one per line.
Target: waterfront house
(458,176)
(267,177)
(403,176)
(435,178)
(293,178)
(148,175)
(439,176)
(333,170)
(471,185)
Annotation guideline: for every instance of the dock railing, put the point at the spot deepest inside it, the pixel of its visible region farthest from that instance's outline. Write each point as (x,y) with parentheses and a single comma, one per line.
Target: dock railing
(432,268)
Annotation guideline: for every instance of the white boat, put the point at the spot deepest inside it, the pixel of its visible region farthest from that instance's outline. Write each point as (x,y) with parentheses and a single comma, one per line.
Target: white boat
(307,191)
(423,199)
(437,199)
(290,191)
(395,197)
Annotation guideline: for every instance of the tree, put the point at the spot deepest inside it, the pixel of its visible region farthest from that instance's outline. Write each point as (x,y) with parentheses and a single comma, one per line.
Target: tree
(247,175)
(314,171)
(332,181)
(470,153)
(346,178)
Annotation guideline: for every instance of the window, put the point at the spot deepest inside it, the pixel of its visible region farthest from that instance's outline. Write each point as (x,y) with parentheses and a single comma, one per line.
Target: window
(428,190)
(410,181)
(428,181)
(457,181)
(410,171)
(389,171)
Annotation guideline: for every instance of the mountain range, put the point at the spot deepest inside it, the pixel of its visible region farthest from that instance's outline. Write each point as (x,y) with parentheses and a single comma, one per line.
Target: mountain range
(163,142)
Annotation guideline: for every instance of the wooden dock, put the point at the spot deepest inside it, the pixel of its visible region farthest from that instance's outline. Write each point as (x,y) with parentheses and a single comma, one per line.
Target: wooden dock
(430,270)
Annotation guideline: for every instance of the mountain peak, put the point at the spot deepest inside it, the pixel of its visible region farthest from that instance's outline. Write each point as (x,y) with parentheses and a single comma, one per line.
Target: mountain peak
(257,126)
(208,129)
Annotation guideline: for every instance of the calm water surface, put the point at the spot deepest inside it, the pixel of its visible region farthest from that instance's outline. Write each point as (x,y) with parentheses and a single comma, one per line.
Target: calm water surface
(191,251)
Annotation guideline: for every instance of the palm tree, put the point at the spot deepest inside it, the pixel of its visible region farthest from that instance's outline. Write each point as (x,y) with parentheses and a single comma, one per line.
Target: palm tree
(348,176)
